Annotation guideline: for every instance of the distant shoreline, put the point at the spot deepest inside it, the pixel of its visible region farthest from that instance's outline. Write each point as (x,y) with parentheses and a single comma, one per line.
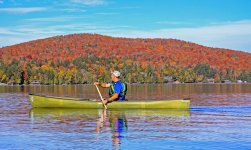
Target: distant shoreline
(2,85)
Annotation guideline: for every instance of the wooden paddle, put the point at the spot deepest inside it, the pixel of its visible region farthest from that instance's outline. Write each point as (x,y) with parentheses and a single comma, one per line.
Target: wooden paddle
(100,96)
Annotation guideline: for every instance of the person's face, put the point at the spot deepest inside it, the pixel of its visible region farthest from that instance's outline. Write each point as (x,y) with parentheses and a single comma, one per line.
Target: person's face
(113,77)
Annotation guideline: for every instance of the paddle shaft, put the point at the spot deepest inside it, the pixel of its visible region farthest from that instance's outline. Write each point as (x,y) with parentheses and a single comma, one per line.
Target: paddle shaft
(100,95)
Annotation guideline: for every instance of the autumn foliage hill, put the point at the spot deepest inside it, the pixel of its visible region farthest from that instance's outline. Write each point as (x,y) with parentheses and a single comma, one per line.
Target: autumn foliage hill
(84,58)
(173,52)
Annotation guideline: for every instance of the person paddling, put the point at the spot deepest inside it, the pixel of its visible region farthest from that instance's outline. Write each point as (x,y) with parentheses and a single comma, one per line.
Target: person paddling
(118,89)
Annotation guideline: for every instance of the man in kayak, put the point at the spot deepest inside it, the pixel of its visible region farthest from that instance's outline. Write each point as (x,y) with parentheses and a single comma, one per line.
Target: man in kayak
(118,89)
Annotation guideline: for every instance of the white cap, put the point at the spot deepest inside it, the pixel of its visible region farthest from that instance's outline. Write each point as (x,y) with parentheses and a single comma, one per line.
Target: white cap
(116,73)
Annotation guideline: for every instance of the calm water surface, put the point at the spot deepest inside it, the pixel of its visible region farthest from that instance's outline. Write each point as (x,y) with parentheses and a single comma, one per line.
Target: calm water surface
(219,118)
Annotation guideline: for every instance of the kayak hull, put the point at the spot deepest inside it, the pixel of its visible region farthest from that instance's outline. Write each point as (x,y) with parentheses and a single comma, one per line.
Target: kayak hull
(38,101)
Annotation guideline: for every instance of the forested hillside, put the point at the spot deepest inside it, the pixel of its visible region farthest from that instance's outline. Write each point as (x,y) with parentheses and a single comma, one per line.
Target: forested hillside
(85,58)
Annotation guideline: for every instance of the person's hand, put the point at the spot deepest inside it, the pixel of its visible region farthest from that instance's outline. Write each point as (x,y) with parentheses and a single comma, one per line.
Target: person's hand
(96,83)
(104,101)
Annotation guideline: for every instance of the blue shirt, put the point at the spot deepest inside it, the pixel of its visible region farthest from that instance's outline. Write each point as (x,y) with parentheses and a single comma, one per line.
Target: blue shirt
(118,88)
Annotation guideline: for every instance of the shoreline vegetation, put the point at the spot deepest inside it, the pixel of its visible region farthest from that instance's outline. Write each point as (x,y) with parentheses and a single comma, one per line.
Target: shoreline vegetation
(168,83)
(87,70)
(22,85)
(232,83)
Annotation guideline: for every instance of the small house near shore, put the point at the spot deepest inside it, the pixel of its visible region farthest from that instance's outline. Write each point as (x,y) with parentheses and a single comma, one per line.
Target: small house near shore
(35,82)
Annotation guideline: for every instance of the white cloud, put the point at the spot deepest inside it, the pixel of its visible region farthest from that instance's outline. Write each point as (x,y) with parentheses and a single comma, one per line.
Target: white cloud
(24,33)
(55,19)
(22,10)
(70,10)
(9,40)
(6,31)
(232,35)
(89,2)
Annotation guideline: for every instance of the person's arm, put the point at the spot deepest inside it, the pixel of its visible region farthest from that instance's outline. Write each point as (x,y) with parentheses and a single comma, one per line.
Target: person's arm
(109,100)
(105,85)
(114,96)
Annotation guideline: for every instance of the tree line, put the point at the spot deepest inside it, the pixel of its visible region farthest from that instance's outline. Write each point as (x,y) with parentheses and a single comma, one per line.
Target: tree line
(86,70)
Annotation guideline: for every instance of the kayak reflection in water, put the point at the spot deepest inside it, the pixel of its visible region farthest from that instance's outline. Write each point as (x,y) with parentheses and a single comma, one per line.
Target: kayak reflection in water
(117,122)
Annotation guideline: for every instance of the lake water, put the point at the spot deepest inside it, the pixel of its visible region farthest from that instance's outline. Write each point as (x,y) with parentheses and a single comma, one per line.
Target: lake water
(219,118)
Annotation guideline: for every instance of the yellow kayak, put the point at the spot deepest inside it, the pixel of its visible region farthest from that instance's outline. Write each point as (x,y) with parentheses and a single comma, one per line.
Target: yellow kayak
(38,101)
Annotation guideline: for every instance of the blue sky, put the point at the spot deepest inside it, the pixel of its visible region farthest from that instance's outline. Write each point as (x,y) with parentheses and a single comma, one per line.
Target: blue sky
(214,23)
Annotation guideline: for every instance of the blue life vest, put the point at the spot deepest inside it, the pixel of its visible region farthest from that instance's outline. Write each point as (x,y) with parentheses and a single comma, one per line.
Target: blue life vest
(118,87)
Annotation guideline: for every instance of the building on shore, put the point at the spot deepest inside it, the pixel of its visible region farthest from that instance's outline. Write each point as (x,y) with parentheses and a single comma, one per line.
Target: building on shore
(35,82)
